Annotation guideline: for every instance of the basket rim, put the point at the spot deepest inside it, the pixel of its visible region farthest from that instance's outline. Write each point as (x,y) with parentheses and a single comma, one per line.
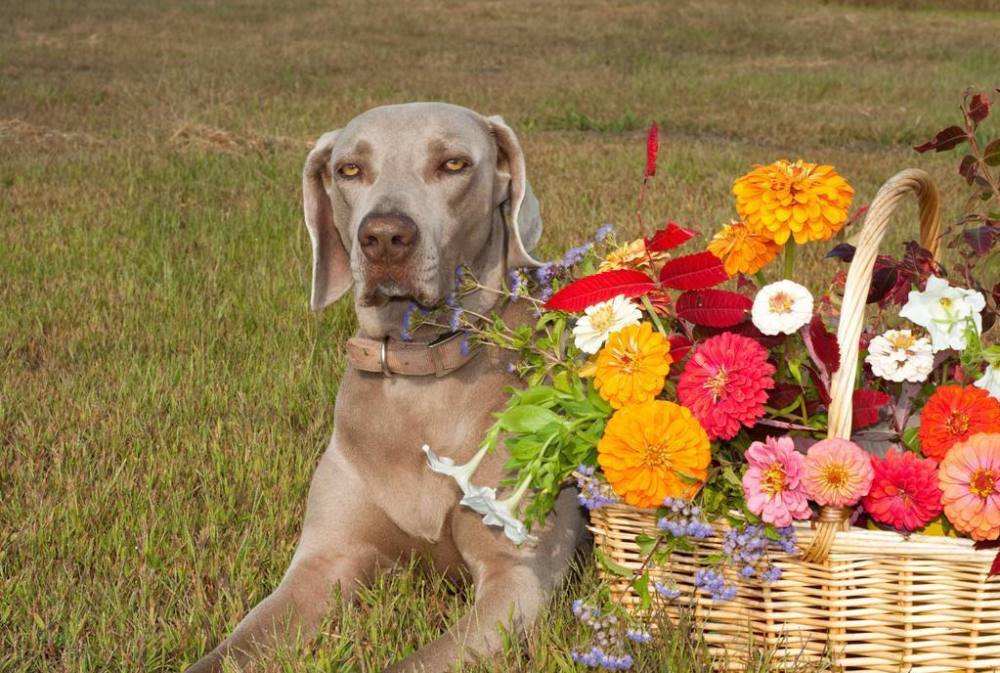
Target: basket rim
(875,542)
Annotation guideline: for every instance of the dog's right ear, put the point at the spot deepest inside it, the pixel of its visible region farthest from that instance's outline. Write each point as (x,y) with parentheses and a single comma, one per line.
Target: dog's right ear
(331,262)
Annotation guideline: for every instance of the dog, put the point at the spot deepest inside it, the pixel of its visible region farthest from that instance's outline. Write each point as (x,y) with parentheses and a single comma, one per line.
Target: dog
(394,202)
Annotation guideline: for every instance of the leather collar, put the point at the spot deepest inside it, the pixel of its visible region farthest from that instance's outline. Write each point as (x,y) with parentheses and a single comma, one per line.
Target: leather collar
(407,358)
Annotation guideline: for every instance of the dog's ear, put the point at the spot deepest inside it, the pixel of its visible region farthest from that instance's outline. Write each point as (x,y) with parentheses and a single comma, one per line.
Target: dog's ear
(514,193)
(331,262)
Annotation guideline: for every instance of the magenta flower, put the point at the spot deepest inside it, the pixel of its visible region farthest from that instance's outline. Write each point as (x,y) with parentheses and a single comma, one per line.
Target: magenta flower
(773,485)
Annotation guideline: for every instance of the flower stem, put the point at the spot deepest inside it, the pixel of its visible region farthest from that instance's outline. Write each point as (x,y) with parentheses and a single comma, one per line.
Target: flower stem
(789,259)
(761,281)
(652,314)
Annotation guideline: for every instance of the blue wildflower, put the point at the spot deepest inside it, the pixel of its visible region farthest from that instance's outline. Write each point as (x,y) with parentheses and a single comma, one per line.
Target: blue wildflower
(406,332)
(670,593)
(574,255)
(603,232)
(592,495)
(463,345)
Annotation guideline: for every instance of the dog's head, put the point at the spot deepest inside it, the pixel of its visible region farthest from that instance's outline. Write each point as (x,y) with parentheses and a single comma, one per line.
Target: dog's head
(403,194)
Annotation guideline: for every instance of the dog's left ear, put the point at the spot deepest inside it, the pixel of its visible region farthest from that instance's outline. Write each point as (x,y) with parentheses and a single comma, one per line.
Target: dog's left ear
(512,191)
(331,263)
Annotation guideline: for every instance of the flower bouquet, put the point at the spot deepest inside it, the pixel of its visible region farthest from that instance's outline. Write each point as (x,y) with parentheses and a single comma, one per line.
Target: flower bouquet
(797,472)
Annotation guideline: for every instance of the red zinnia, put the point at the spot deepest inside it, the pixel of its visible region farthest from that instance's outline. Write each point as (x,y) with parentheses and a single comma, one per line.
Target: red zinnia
(725,384)
(952,415)
(905,492)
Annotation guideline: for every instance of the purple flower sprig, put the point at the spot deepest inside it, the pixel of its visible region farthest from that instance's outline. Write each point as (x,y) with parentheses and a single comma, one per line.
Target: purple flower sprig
(593,492)
(684,520)
(609,637)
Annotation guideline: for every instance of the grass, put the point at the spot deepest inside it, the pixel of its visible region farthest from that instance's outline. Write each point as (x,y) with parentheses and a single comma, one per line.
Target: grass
(165,394)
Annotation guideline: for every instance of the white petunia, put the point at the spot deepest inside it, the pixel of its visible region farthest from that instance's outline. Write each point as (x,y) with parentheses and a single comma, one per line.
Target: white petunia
(897,356)
(781,308)
(990,381)
(482,499)
(462,474)
(946,312)
(499,513)
(600,320)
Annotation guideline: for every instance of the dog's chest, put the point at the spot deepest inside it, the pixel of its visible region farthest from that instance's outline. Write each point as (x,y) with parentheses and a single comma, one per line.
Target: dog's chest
(383,423)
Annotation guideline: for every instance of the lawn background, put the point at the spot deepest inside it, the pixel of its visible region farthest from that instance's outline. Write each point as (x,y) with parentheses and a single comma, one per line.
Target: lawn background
(164,391)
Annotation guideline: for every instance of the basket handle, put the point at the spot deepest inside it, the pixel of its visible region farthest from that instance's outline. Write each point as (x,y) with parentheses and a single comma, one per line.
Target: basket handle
(852,314)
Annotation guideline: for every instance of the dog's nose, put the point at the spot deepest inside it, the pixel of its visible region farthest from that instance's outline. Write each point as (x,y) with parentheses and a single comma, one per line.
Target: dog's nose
(388,237)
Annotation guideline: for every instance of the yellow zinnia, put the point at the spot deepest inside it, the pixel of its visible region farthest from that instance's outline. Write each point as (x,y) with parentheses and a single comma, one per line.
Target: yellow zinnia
(652,451)
(798,199)
(743,250)
(633,365)
(633,256)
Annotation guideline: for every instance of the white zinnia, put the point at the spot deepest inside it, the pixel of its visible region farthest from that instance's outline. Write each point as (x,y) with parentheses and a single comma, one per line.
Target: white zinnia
(990,381)
(601,320)
(898,356)
(781,308)
(945,312)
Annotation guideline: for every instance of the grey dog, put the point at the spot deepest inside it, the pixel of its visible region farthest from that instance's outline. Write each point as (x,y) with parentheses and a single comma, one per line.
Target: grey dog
(394,202)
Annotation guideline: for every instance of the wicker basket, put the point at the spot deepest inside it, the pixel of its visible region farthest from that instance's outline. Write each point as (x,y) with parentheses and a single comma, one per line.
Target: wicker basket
(858,600)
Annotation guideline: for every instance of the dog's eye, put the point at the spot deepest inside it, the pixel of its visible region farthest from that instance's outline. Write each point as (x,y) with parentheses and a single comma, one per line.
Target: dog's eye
(349,171)
(455,165)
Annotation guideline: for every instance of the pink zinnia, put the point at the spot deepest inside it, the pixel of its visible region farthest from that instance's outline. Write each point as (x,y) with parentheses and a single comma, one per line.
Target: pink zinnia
(773,483)
(838,472)
(725,384)
(970,486)
(904,492)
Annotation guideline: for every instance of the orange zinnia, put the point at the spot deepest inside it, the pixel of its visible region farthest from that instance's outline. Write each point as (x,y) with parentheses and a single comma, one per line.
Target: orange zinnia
(743,250)
(952,415)
(798,199)
(652,451)
(633,365)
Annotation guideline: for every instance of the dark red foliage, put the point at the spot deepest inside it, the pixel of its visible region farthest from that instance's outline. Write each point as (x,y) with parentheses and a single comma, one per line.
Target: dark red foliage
(945,139)
(680,345)
(713,308)
(652,150)
(693,272)
(822,347)
(979,107)
(668,238)
(599,287)
(867,404)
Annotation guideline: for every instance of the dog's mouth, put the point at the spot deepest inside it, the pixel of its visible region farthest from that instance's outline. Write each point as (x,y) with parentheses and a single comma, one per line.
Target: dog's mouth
(379,291)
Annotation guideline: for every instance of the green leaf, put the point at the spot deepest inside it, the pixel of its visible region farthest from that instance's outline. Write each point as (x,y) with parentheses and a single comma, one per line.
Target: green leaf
(641,587)
(911,439)
(646,543)
(609,565)
(528,418)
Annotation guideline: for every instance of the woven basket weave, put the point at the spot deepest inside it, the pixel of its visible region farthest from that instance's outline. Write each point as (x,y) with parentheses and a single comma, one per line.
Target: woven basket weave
(858,600)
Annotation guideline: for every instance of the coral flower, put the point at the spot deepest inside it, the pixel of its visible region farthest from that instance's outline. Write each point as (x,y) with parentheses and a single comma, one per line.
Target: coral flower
(953,414)
(970,486)
(725,384)
(772,484)
(652,451)
(904,492)
(633,256)
(633,365)
(742,250)
(838,472)
(798,199)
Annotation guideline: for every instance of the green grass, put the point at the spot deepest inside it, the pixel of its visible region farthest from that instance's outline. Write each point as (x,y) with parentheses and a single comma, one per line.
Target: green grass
(164,392)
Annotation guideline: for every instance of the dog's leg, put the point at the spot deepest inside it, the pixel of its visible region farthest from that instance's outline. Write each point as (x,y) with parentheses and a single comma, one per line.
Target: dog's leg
(333,554)
(511,586)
